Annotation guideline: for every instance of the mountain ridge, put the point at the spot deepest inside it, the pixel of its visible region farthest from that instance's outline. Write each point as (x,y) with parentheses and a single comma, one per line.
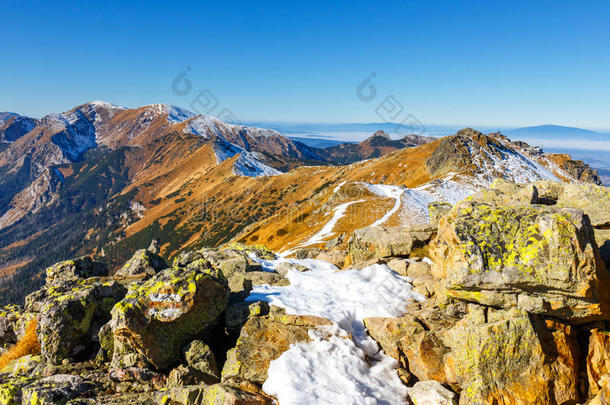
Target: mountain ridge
(103,180)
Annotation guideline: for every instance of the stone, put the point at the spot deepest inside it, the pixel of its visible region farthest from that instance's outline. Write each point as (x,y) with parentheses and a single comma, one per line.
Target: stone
(511,357)
(542,259)
(378,242)
(283,268)
(259,250)
(67,312)
(263,339)
(142,262)
(336,257)
(598,359)
(9,324)
(406,339)
(436,210)
(237,314)
(399,266)
(217,394)
(80,268)
(29,365)
(106,341)
(603,397)
(265,277)
(431,393)
(419,270)
(199,356)
(56,389)
(157,318)
(187,375)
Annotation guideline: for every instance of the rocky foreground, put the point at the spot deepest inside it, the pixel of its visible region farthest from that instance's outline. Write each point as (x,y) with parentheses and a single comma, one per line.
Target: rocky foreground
(504,299)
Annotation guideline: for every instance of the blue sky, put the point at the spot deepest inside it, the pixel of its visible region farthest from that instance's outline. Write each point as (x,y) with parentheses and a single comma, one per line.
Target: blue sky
(454,62)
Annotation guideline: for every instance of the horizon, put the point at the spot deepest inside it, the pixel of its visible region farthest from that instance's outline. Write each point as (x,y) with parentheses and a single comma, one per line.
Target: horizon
(510,65)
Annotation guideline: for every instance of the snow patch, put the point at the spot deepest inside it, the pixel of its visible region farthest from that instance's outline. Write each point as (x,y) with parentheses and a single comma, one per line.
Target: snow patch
(248,163)
(341,364)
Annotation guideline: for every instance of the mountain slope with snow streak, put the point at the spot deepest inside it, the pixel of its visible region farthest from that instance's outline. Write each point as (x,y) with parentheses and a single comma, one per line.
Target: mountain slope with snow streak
(398,188)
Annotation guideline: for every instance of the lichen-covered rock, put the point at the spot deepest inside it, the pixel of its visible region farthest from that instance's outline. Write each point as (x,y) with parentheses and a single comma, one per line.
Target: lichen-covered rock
(262,340)
(56,389)
(68,270)
(67,312)
(217,394)
(27,365)
(105,338)
(259,250)
(9,324)
(377,242)
(431,393)
(157,318)
(142,262)
(237,314)
(200,357)
(511,358)
(542,259)
(437,210)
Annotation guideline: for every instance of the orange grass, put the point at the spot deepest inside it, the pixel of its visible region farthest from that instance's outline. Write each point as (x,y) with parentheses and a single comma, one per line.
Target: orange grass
(27,345)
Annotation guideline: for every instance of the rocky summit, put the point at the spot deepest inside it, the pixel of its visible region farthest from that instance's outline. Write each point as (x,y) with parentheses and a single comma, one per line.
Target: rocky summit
(503,298)
(470,269)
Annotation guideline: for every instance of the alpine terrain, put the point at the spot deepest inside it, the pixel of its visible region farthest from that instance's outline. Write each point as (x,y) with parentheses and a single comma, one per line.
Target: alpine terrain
(155,256)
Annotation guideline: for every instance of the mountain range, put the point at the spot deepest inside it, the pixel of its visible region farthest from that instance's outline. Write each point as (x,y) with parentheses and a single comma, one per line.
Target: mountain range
(104,180)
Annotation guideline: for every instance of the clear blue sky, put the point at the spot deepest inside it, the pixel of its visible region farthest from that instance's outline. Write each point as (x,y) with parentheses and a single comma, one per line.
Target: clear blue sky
(453,62)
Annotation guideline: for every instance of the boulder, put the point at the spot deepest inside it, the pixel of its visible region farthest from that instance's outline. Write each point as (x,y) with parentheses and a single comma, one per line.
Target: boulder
(378,242)
(431,393)
(200,357)
(238,314)
(68,313)
(56,389)
(157,318)
(410,341)
(217,394)
(263,339)
(398,265)
(539,258)
(10,316)
(142,262)
(510,357)
(436,210)
(74,269)
(29,365)
(265,277)
(336,257)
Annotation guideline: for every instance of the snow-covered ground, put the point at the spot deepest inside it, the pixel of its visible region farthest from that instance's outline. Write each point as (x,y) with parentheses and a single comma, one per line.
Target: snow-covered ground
(248,163)
(342,364)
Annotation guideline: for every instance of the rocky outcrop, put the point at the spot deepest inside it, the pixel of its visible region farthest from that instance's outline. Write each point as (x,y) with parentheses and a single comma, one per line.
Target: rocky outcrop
(378,242)
(263,339)
(69,314)
(538,258)
(431,393)
(157,318)
(142,262)
(71,270)
(510,357)
(71,307)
